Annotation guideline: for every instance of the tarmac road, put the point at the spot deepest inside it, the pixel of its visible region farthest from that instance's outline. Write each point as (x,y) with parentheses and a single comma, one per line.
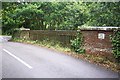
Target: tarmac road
(28,61)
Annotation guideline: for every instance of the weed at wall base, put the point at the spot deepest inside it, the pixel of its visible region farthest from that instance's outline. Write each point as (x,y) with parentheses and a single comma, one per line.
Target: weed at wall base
(77,44)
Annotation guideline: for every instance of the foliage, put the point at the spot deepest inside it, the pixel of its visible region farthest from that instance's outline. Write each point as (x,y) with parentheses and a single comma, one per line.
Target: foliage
(58,15)
(103,14)
(77,44)
(116,45)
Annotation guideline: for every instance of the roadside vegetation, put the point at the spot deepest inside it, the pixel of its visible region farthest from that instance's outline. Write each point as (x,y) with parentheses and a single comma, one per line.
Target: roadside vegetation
(116,45)
(77,44)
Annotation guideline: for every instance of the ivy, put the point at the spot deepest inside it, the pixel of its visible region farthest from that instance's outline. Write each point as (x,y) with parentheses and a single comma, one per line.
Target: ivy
(116,45)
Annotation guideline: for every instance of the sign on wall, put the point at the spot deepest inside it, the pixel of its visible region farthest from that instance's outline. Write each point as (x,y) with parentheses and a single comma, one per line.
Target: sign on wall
(101,36)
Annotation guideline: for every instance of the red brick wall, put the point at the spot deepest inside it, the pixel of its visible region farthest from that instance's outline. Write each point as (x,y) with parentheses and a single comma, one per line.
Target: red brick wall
(94,45)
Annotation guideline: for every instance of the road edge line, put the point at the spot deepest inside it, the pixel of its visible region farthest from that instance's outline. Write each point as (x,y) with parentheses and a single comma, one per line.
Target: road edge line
(20,60)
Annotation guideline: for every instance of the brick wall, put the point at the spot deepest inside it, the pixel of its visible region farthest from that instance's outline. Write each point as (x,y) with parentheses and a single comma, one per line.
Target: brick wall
(95,45)
(96,40)
(62,36)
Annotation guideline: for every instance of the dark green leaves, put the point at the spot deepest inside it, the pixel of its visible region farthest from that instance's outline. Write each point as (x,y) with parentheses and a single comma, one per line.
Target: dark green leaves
(77,44)
(59,15)
(116,44)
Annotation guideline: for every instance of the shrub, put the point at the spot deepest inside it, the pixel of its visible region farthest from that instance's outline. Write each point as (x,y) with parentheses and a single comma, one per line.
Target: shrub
(77,43)
(116,45)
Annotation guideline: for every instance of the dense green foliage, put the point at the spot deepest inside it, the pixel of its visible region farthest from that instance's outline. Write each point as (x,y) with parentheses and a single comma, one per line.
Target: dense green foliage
(116,45)
(58,15)
(77,44)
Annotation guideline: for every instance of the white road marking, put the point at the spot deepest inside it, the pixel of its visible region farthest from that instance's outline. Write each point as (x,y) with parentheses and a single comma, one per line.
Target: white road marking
(18,59)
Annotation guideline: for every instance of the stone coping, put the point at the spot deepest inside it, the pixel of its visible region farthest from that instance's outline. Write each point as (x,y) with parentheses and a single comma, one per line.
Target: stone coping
(99,28)
(80,29)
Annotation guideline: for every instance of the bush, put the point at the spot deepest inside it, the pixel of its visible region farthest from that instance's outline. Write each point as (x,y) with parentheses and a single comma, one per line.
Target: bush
(77,43)
(116,45)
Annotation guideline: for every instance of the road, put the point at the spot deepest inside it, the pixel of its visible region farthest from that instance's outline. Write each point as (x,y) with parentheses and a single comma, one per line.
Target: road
(29,61)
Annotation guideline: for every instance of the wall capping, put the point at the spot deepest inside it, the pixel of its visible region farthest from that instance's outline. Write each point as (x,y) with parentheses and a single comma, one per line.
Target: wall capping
(99,28)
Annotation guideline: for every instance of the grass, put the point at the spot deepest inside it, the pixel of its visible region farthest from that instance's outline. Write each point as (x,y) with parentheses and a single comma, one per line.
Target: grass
(96,59)
(45,43)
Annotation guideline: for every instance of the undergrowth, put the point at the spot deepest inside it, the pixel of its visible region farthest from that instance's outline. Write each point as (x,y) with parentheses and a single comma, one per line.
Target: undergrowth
(45,43)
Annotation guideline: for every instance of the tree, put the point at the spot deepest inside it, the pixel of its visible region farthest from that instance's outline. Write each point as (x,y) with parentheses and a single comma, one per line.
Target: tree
(103,14)
(8,22)
(58,15)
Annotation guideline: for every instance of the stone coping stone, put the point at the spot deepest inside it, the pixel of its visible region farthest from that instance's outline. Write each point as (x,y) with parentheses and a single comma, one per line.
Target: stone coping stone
(100,28)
